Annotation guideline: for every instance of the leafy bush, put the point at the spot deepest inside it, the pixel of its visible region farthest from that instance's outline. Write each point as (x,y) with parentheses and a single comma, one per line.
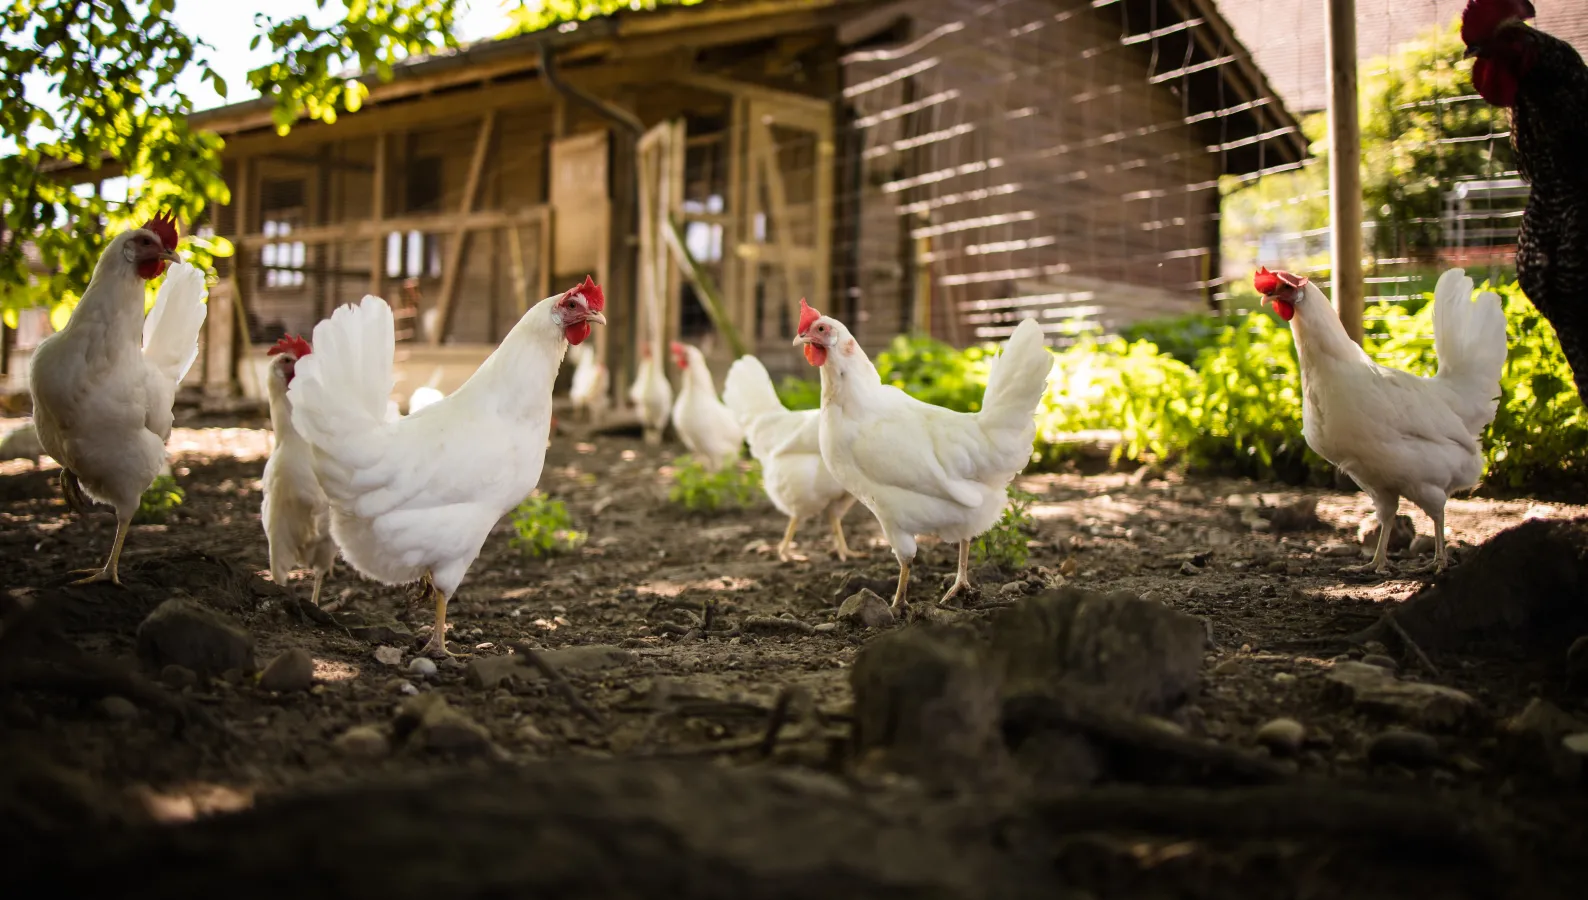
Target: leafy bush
(156,504)
(542,527)
(1004,544)
(699,490)
(799,393)
(936,373)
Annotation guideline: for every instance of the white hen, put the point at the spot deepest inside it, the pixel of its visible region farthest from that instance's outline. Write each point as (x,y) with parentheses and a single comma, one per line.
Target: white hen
(1396,434)
(787,444)
(414,499)
(294,511)
(590,384)
(22,443)
(651,395)
(426,393)
(708,428)
(101,397)
(922,469)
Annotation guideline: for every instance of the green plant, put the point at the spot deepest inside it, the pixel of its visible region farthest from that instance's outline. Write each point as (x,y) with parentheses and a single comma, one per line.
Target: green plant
(542,527)
(799,393)
(156,504)
(699,490)
(1004,544)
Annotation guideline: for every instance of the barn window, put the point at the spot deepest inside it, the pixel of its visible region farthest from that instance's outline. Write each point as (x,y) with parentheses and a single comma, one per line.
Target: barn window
(415,254)
(281,211)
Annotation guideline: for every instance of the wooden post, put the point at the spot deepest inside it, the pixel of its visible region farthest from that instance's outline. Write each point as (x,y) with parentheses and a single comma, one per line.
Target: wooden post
(226,330)
(457,251)
(1345,168)
(377,246)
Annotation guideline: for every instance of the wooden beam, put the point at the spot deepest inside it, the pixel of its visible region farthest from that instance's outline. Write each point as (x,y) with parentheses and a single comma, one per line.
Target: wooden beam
(822,268)
(515,251)
(717,84)
(765,152)
(377,244)
(320,162)
(457,250)
(367,229)
(543,265)
(1345,169)
(732,266)
(226,324)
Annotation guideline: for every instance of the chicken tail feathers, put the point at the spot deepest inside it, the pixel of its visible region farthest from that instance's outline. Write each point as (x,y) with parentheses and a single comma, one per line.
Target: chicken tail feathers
(1018,379)
(1470,341)
(171,331)
(344,386)
(748,390)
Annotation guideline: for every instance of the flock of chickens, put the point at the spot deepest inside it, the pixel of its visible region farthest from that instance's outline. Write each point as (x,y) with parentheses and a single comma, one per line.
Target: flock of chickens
(412,498)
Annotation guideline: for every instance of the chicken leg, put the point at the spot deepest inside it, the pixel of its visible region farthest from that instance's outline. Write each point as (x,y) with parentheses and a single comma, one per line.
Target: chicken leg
(437,645)
(109,573)
(1435,508)
(901,594)
(840,546)
(1384,506)
(961,577)
(788,539)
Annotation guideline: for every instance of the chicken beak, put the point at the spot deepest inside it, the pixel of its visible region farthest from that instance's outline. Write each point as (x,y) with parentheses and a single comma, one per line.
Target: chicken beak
(799,339)
(595,317)
(169,256)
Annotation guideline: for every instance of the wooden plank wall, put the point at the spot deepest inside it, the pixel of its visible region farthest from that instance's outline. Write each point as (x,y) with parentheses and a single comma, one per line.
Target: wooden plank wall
(1014,144)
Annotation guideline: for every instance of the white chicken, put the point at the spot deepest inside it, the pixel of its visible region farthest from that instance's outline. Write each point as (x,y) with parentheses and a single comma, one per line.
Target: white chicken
(414,499)
(651,395)
(787,444)
(922,469)
(1396,434)
(426,393)
(22,443)
(294,512)
(590,384)
(101,396)
(708,428)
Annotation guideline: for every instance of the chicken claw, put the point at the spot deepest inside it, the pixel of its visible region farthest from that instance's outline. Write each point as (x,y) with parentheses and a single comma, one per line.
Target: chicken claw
(98,576)
(841,547)
(784,547)
(961,577)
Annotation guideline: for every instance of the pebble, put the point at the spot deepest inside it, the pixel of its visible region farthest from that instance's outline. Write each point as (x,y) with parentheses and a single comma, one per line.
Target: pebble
(181,632)
(363,741)
(119,709)
(1282,736)
(422,667)
(292,670)
(1382,661)
(1338,550)
(824,628)
(1187,569)
(406,688)
(388,656)
(866,609)
(1412,749)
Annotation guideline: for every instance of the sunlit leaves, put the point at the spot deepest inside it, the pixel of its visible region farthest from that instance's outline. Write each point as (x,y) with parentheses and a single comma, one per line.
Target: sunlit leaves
(545,13)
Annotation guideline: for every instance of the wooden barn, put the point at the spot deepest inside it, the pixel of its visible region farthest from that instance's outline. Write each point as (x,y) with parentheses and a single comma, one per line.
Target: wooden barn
(938,166)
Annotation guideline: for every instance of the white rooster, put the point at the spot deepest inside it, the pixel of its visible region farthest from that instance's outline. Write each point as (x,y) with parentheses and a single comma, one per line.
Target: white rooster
(1396,434)
(590,384)
(414,499)
(708,428)
(651,395)
(922,469)
(103,386)
(295,512)
(787,444)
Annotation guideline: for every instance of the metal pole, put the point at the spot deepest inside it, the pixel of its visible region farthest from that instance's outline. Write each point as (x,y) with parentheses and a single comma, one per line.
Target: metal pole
(1345,168)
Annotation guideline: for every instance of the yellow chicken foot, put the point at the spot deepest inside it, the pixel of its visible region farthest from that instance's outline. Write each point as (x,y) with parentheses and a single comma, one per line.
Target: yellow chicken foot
(319,581)
(437,645)
(962,577)
(901,594)
(788,539)
(840,546)
(109,572)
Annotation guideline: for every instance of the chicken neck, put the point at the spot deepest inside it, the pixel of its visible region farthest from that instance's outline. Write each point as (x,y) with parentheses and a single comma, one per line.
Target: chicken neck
(1321,341)
(515,381)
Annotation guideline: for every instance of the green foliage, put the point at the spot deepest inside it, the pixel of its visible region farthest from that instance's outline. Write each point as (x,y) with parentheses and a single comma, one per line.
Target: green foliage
(543,14)
(1406,111)
(799,393)
(542,527)
(1004,544)
(699,490)
(156,504)
(936,373)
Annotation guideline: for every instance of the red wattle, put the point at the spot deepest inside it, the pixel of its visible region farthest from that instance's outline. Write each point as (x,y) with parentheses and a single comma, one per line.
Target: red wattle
(1284,308)
(815,354)
(1494,82)
(577,332)
(151,268)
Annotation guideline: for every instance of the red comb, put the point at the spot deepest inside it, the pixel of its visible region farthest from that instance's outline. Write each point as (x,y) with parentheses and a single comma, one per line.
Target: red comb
(1482,18)
(293,344)
(164,227)
(1265,281)
(808,316)
(593,297)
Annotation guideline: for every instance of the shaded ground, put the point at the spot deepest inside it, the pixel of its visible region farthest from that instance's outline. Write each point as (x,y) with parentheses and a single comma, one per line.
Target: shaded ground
(646,577)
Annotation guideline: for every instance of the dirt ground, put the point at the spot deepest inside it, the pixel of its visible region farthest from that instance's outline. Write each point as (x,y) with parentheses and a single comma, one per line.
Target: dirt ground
(639,587)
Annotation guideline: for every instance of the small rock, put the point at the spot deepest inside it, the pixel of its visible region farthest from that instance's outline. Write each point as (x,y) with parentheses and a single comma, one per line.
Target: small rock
(1412,749)
(429,723)
(404,687)
(1339,550)
(293,670)
(1187,569)
(119,709)
(488,672)
(530,733)
(1382,661)
(1376,689)
(178,677)
(381,633)
(389,656)
(774,625)
(1375,647)
(1421,545)
(1284,677)
(1282,737)
(826,627)
(867,610)
(1155,596)
(422,667)
(363,742)
(181,632)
